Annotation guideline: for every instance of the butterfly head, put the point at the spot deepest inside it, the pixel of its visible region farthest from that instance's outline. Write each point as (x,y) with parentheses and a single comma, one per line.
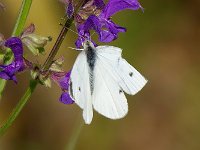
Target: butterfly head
(88,43)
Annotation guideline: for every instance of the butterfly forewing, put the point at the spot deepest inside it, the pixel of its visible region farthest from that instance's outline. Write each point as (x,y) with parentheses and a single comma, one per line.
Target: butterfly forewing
(80,87)
(108,98)
(131,80)
(128,78)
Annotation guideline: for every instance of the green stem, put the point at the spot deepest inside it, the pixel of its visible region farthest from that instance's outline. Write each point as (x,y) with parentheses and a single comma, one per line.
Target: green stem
(19,26)
(34,83)
(60,39)
(21,20)
(75,135)
(19,107)
(57,45)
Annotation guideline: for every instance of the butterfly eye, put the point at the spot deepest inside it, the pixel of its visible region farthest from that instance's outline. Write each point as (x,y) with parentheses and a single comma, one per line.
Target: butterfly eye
(79,89)
(131,74)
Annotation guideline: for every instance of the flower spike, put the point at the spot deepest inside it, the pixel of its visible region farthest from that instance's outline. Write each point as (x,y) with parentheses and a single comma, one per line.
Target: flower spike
(101,23)
(62,79)
(34,42)
(19,64)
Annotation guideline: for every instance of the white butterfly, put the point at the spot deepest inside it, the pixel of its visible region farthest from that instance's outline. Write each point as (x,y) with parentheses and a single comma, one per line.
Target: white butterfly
(99,78)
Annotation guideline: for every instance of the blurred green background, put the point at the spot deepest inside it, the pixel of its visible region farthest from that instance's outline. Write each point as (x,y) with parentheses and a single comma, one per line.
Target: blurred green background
(163,43)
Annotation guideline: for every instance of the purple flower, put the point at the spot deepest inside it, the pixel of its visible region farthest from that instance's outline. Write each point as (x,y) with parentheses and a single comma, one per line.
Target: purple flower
(35,43)
(95,3)
(115,6)
(99,3)
(70,10)
(102,24)
(8,72)
(62,79)
(65,98)
(69,7)
(19,64)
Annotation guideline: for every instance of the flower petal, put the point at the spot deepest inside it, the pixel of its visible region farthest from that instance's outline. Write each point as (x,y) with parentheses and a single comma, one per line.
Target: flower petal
(65,98)
(99,3)
(62,79)
(115,6)
(15,44)
(70,10)
(8,71)
(78,42)
(106,36)
(106,29)
(110,31)
(4,75)
(64,82)
(92,23)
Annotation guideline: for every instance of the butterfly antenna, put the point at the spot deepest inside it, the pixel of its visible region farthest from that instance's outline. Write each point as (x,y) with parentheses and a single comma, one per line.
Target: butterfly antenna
(92,34)
(71,30)
(78,49)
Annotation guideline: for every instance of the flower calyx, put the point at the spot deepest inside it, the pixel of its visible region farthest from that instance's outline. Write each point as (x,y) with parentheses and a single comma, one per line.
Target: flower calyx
(35,43)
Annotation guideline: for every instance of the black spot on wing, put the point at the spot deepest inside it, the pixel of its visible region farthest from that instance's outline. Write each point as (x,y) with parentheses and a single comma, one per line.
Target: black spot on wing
(120,91)
(131,74)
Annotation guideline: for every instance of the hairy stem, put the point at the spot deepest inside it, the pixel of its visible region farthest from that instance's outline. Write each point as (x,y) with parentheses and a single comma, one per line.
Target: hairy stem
(60,39)
(23,14)
(57,45)
(19,26)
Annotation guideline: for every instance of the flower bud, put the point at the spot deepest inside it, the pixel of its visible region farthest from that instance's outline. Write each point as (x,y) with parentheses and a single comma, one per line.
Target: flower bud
(35,43)
(45,81)
(57,65)
(35,72)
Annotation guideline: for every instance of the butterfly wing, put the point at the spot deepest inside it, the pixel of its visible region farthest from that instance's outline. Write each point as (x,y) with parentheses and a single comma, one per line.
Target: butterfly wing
(80,88)
(113,75)
(108,99)
(129,79)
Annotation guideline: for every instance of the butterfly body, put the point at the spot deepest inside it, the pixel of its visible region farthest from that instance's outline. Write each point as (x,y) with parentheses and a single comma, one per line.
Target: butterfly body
(91,59)
(98,80)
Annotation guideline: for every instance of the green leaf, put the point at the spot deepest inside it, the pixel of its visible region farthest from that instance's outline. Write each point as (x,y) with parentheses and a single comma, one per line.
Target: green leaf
(7,57)
(41,50)
(2,57)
